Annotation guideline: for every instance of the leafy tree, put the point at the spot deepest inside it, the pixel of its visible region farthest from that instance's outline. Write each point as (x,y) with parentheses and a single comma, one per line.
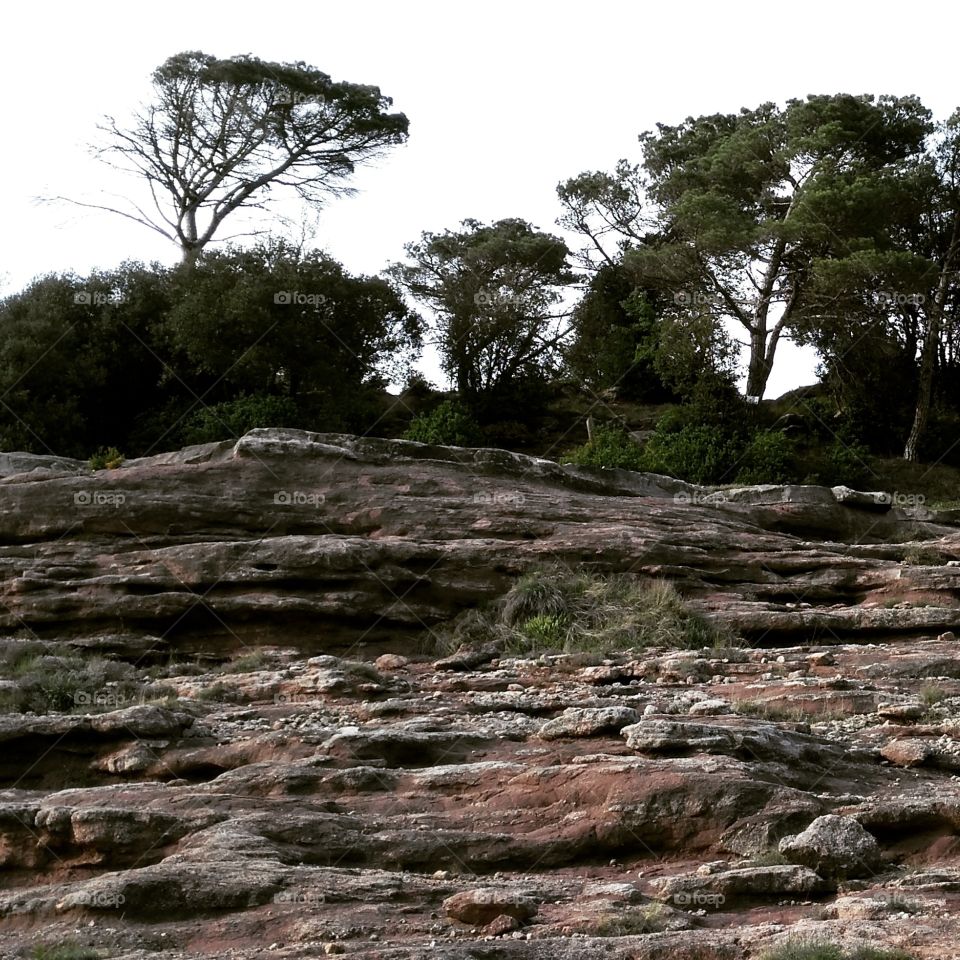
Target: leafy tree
(81,358)
(615,338)
(607,211)
(729,192)
(891,268)
(270,321)
(494,289)
(221,135)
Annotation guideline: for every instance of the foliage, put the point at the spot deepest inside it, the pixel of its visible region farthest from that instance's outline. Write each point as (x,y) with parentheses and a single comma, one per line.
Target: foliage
(806,949)
(275,321)
(494,289)
(610,446)
(615,335)
(80,359)
(697,453)
(106,458)
(650,918)
(720,219)
(54,678)
(546,630)
(224,135)
(769,457)
(559,608)
(231,419)
(449,424)
(771,857)
(65,951)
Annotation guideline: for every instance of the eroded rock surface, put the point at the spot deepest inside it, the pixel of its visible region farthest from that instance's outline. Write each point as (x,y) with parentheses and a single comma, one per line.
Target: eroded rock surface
(318,782)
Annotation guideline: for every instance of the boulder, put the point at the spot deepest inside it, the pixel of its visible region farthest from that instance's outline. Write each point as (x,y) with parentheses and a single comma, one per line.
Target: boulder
(836,847)
(482,906)
(577,722)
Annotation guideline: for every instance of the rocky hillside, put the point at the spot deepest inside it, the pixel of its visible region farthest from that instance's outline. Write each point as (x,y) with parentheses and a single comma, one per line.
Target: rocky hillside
(236,725)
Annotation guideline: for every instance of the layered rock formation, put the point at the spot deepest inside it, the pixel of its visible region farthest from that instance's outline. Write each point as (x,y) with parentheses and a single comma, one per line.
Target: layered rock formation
(343,787)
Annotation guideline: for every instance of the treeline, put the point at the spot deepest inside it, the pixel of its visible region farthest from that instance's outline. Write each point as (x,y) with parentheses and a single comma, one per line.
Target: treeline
(149,358)
(833,221)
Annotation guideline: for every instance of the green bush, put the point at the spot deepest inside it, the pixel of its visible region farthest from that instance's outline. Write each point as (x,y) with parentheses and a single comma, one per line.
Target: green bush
(699,454)
(847,464)
(802,949)
(106,458)
(561,609)
(65,951)
(450,425)
(54,678)
(651,918)
(611,446)
(231,419)
(769,457)
(546,630)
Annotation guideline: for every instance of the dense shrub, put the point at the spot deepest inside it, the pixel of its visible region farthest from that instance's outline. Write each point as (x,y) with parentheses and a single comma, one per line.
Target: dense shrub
(699,454)
(449,424)
(804,949)
(54,678)
(610,446)
(233,418)
(106,458)
(562,609)
(769,457)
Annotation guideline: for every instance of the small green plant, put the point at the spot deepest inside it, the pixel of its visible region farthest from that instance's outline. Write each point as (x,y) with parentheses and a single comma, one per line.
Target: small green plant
(770,710)
(450,424)
(546,630)
(697,453)
(247,663)
(216,691)
(930,695)
(53,677)
(919,556)
(647,919)
(106,458)
(579,611)
(803,949)
(877,953)
(66,951)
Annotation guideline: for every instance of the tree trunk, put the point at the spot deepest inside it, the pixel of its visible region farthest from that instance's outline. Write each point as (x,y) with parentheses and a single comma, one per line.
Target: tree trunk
(931,347)
(758,371)
(921,413)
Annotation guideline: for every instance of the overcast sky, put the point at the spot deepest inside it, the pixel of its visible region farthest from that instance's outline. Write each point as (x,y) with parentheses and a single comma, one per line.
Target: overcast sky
(505,99)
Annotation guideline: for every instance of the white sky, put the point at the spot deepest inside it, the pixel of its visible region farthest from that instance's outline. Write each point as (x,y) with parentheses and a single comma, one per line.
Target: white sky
(505,99)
